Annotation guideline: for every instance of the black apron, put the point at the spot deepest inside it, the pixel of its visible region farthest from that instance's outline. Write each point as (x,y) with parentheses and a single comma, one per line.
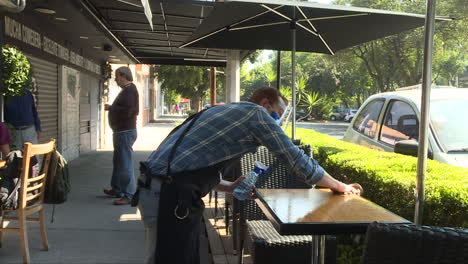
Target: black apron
(180,214)
(181,209)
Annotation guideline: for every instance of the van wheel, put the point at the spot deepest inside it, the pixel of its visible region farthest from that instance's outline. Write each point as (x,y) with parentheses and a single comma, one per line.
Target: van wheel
(332,118)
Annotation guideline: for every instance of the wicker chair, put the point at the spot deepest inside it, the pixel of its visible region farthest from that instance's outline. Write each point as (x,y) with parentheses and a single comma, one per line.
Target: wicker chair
(267,246)
(386,243)
(232,206)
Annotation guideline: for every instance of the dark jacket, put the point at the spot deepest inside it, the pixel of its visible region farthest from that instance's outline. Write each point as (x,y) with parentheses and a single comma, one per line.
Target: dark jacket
(21,111)
(123,112)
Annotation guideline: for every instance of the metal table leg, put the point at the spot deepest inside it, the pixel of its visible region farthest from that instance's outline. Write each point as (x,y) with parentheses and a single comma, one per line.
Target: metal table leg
(318,249)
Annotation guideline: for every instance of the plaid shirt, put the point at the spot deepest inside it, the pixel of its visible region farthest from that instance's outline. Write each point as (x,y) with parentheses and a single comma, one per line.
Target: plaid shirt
(229,131)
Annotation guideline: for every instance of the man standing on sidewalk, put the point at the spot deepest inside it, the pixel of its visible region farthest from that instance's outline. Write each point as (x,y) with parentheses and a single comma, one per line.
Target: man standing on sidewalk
(122,119)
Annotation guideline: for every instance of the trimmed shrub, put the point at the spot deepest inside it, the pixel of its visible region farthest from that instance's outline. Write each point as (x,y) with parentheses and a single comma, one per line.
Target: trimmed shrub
(15,72)
(389,179)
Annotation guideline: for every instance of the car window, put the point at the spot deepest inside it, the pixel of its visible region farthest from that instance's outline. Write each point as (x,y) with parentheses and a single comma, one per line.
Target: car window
(449,123)
(400,123)
(366,122)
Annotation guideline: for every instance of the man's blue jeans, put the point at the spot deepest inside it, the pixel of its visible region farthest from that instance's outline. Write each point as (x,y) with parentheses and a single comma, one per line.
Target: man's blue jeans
(123,178)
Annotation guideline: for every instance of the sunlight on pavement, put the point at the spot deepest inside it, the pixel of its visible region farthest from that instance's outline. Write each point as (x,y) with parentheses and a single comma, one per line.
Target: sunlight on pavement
(131,217)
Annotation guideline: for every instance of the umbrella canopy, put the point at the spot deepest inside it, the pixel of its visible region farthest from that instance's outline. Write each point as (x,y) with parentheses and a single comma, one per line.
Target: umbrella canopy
(263,24)
(320,28)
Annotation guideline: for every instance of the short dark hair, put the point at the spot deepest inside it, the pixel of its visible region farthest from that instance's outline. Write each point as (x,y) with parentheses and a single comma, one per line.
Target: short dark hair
(270,93)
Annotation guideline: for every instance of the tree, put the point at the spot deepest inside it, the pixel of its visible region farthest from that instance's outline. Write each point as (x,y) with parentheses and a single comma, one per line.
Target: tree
(396,61)
(189,81)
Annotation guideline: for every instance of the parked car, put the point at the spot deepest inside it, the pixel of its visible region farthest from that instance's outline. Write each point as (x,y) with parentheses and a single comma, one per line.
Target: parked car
(349,115)
(301,113)
(339,113)
(390,122)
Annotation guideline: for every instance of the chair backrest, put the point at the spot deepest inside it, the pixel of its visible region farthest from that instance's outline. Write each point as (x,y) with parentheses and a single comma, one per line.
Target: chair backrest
(33,186)
(387,243)
(279,176)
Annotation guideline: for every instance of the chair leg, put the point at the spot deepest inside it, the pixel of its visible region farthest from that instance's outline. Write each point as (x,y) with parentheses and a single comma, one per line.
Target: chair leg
(240,253)
(216,207)
(235,224)
(45,243)
(242,229)
(23,233)
(226,216)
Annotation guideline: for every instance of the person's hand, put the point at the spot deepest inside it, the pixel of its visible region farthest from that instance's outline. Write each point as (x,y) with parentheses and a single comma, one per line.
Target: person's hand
(234,184)
(107,107)
(228,187)
(238,181)
(353,188)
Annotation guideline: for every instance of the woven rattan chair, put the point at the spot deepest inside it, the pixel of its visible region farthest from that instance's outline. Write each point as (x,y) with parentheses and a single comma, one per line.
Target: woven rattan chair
(267,246)
(31,197)
(411,244)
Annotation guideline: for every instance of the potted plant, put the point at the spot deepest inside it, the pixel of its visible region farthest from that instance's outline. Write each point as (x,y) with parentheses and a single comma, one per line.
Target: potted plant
(15,72)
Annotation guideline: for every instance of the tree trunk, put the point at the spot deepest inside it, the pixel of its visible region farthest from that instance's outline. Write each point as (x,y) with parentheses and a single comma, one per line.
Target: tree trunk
(196,103)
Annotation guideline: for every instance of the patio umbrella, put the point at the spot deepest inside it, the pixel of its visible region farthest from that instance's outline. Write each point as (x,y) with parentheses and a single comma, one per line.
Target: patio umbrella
(257,24)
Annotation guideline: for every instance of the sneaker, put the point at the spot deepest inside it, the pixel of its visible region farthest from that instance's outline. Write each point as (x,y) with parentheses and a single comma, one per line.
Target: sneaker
(111,192)
(122,201)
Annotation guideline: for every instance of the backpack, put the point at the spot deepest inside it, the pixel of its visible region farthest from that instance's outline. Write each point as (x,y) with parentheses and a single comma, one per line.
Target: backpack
(10,182)
(58,180)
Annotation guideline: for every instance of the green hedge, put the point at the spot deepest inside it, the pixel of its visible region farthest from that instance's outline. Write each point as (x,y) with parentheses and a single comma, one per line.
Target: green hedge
(389,179)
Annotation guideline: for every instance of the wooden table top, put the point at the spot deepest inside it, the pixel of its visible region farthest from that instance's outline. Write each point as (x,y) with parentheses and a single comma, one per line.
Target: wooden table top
(319,211)
(2,163)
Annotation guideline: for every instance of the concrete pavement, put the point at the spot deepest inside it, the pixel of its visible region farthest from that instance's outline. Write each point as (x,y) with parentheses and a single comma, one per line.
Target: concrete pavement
(87,228)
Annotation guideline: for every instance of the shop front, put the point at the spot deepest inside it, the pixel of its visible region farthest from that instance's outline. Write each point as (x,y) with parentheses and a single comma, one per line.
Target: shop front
(67,83)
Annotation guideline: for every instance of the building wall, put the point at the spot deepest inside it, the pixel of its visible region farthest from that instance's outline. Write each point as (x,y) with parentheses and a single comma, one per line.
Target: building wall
(159,107)
(57,67)
(70,113)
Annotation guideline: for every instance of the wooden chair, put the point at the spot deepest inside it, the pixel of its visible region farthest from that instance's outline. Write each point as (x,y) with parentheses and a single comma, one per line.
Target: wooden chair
(31,197)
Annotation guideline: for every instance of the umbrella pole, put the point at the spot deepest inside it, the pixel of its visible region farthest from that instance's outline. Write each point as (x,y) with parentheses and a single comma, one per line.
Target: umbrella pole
(293,74)
(425,103)
(278,70)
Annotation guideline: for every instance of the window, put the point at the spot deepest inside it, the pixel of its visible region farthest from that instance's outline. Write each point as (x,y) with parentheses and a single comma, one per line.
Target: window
(448,121)
(366,121)
(400,123)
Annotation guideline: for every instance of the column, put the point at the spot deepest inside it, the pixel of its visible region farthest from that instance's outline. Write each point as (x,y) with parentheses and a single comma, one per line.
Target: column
(233,76)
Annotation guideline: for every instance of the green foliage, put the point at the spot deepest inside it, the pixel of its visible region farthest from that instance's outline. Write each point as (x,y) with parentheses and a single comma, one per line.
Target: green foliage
(191,82)
(384,174)
(286,92)
(389,179)
(309,100)
(171,97)
(396,61)
(15,72)
(322,109)
(349,253)
(252,80)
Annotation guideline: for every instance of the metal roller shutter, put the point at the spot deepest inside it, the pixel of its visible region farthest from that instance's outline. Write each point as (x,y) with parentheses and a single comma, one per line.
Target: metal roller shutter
(46,75)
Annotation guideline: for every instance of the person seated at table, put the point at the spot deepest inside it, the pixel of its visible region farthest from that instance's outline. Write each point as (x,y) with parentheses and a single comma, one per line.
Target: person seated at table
(194,153)
(4,141)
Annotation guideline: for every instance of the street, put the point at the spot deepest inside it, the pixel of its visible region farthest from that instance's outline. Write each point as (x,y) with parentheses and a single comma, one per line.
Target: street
(335,129)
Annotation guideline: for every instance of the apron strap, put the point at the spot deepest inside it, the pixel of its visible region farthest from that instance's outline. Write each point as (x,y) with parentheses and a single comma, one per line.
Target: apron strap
(192,121)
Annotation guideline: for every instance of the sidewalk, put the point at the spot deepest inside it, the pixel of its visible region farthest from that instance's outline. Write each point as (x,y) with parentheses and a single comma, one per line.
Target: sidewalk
(88,228)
